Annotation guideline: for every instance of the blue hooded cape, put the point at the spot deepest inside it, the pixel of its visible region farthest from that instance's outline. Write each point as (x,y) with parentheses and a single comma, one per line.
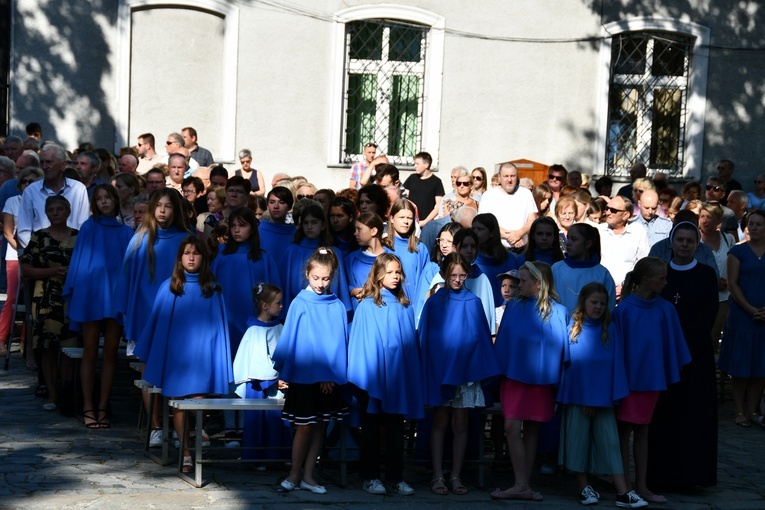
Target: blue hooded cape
(295,281)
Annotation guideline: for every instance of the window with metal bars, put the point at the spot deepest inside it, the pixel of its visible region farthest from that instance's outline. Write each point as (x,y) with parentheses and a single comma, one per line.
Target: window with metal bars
(384,78)
(647,102)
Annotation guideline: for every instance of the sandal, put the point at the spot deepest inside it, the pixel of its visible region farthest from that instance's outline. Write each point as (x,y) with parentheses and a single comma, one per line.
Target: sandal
(741,420)
(458,487)
(438,487)
(104,423)
(93,423)
(41,391)
(187,464)
(755,418)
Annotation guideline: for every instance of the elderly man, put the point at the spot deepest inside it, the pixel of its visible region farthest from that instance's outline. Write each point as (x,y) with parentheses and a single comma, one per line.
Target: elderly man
(14,146)
(155,179)
(738,201)
(175,144)
(128,164)
(656,227)
(148,156)
(203,173)
(87,165)
(199,154)
(176,169)
(32,209)
(7,169)
(716,192)
(513,206)
(622,243)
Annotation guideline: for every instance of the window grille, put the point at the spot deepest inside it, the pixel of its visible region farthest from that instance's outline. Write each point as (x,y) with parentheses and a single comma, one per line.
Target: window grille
(383,102)
(648,96)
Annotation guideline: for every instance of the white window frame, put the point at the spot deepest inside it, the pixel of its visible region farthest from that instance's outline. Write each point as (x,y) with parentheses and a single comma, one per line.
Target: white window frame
(230,14)
(431,108)
(696,91)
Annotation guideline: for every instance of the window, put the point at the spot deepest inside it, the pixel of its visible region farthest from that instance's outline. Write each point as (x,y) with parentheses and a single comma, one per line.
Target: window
(647,102)
(384,89)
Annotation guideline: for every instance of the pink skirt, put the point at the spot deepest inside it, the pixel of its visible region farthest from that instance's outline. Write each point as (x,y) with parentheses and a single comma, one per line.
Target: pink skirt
(637,407)
(520,401)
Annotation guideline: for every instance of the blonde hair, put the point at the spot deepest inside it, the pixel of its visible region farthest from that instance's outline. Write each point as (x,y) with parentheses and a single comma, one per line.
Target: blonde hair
(542,273)
(579,315)
(373,285)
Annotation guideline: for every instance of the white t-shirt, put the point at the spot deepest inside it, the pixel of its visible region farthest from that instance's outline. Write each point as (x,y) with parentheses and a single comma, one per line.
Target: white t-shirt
(620,253)
(511,211)
(12,207)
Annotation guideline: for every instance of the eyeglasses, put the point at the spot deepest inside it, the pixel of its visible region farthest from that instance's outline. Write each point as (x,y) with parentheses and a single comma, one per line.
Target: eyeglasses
(614,210)
(27,181)
(309,197)
(235,191)
(444,241)
(187,192)
(462,183)
(459,277)
(555,177)
(155,183)
(716,188)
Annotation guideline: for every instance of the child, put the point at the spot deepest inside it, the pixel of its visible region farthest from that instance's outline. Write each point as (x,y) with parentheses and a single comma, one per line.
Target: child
(311,233)
(342,222)
(358,264)
(90,291)
(654,350)
(443,246)
(593,380)
(425,189)
(492,256)
(530,346)
(581,266)
(544,243)
(149,261)
(383,362)
(456,356)
(275,232)
(404,244)
(255,375)
(312,357)
(185,343)
(509,290)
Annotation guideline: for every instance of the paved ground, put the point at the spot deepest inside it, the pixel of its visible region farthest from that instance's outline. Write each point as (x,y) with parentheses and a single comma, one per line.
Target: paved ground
(51,461)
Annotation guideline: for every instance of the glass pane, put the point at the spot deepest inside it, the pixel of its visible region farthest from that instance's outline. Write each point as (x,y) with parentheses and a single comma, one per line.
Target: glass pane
(403,136)
(405,43)
(669,57)
(624,105)
(628,54)
(365,40)
(360,115)
(665,133)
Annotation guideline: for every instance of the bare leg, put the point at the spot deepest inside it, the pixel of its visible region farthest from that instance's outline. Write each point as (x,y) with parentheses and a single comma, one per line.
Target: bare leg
(317,434)
(530,442)
(50,372)
(518,459)
(90,331)
(437,434)
(178,425)
(738,389)
(109,367)
(625,431)
(300,446)
(640,447)
(459,446)
(754,389)
(581,481)
(620,483)
(156,413)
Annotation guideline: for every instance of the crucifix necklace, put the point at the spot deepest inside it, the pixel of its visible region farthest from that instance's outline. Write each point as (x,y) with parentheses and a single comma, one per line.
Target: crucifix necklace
(677,297)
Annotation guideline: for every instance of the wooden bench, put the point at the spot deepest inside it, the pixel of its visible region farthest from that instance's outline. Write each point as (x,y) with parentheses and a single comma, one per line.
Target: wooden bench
(154,392)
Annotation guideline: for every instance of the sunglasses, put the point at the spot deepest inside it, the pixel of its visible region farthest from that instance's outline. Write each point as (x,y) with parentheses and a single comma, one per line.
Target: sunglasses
(479,178)
(370,145)
(614,210)
(169,143)
(555,177)
(716,188)
(300,197)
(462,183)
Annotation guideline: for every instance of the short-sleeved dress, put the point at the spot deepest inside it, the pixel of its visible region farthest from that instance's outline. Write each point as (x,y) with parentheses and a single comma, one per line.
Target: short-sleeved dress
(50,323)
(742,352)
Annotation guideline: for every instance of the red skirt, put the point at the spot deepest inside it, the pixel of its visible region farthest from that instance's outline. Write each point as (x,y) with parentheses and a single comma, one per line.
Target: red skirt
(637,407)
(520,401)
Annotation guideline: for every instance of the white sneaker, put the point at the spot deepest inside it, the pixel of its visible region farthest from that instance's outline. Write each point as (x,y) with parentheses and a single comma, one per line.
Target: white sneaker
(589,496)
(630,500)
(402,488)
(374,487)
(155,439)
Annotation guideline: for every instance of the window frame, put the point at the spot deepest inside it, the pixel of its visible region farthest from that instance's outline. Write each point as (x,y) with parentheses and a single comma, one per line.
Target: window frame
(695,105)
(432,80)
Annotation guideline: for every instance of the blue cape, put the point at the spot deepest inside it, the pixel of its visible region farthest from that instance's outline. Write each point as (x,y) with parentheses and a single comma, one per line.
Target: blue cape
(313,346)
(357,267)
(491,270)
(185,342)
(570,278)
(253,363)
(91,283)
(238,275)
(594,374)
(275,238)
(295,281)
(529,349)
(654,345)
(429,272)
(412,262)
(384,357)
(455,345)
(137,293)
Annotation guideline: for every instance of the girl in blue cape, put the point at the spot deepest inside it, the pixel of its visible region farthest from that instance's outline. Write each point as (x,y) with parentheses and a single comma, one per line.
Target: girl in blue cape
(275,233)
(310,235)
(185,342)
(443,246)
(654,352)
(405,245)
(544,243)
(149,261)
(581,266)
(384,363)
(492,257)
(90,290)
(531,345)
(358,264)
(455,356)
(255,375)
(593,381)
(342,222)
(312,357)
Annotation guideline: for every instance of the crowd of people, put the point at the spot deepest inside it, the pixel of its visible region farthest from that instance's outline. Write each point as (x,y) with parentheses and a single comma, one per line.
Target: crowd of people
(594,316)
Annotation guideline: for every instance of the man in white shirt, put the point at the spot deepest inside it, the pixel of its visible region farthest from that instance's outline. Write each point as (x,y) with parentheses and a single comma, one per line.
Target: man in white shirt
(32,209)
(622,244)
(513,206)
(148,156)
(656,227)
